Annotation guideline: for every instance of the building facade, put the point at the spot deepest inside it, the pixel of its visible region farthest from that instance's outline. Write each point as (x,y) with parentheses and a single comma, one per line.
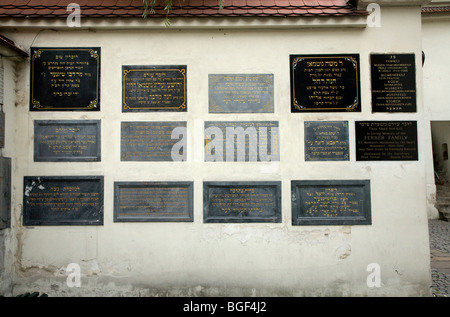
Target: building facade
(263,148)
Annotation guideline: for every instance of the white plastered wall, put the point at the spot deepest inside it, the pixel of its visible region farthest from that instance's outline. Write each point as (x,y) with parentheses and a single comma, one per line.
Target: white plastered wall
(229,259)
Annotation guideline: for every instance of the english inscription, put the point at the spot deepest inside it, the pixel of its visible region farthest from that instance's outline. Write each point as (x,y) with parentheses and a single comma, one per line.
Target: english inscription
(153,201)
(386,141)
(393,82)
(242,141)
(65,79)
(153,141)
(63,200)
(154,88)
(326,141)
(332,202)
(67,141)
(329,83)
(232,202)
(241,93)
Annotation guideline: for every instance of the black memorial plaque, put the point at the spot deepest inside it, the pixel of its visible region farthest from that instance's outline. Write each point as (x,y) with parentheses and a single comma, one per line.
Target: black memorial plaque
(325,83)
(153,141)
(386,140)
(67,141)
(154,88)
(326,141)
(65,79)
(63,200)
(241,141)
(153,201)
(5,190)
(393,82)
(241,202)
(331,202)
(241,93)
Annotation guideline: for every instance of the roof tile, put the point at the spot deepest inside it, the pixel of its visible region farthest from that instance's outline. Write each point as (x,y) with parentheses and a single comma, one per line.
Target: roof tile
(180,8)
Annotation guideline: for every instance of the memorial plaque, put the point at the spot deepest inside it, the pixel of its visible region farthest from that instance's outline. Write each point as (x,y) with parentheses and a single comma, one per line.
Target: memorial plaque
(65,79)
(326,83)
(153,141)
(232,202)
(154,88)
(67,141)
(326,141)
(153,201)
(241,141)
(331,202)
(386,140)
(5,190)
(241,93)
(63,200)
(393,82)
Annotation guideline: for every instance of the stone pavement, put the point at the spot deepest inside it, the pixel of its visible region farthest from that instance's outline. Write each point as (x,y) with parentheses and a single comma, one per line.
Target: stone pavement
(440,257)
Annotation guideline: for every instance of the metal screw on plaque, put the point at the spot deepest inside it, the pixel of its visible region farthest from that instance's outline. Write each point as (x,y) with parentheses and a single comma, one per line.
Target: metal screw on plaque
(374,278)
(74,18)
(374,18)
(74,277)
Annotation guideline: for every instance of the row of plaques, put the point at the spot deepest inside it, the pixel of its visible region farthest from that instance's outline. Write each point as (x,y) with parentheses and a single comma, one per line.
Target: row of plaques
(229,141)
(69,79)
(78,200)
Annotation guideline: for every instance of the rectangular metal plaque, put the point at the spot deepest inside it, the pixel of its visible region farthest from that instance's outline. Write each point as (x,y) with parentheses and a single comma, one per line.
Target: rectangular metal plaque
(63,200)
(326,83)
(331,202)
(386,140)
(153,141)
(153,201)
(5,190)
(154,88)
(393,82)
(326,141)
(241,141)
(65,78)
(241,202)
(67,141)
(241,93)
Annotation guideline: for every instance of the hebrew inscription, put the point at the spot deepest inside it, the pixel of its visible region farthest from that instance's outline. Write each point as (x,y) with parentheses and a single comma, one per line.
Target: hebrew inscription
(241,93)
(63,200)
(331,202)
(67,141)
(242,202)
(328,83)
(65,79)
(153,201)
(154,88)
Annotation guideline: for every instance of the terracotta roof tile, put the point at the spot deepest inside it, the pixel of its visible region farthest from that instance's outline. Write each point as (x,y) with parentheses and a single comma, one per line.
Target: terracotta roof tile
(181,8)
(434,10)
